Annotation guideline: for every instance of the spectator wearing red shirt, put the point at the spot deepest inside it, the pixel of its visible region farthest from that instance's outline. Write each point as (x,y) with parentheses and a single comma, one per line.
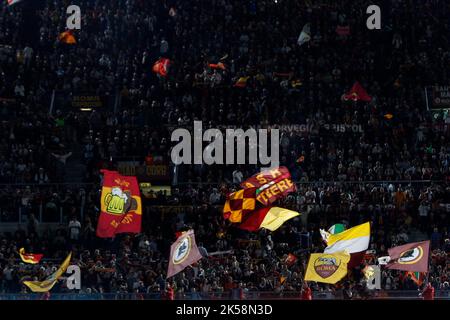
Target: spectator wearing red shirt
(428,292)
(306,292)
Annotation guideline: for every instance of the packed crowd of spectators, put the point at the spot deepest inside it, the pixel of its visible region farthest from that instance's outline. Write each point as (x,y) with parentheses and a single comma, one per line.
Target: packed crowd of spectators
(340,179)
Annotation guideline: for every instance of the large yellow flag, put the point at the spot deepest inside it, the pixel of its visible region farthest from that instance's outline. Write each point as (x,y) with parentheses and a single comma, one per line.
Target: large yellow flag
(326,267)
(47,284)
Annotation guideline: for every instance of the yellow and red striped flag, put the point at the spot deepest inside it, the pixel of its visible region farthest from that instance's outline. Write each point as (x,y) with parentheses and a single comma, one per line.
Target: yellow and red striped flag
(32,258)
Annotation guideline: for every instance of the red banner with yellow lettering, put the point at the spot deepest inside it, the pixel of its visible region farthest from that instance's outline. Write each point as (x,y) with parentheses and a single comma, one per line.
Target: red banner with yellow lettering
(121,206)
(272,184)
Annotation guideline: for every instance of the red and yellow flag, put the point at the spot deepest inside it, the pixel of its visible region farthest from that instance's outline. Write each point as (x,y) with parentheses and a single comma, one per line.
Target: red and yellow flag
(219,65)
(32,258)
(239,203)
(121,206)
(67,37)
(161,67)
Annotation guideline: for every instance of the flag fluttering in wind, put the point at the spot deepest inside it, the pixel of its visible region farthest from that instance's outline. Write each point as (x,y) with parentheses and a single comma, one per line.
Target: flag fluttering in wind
(183,253)
(241,82)
(388,116)
(327,268)
(357,93)
(354,240)
(32,258)
(409,257)
(305,35)
(67,37)
(337,228)
(272,184)
(11,2)
(161,67)
(47,284)
(239,204)
(120,203)
(219,65)
(270,218)
(290,259)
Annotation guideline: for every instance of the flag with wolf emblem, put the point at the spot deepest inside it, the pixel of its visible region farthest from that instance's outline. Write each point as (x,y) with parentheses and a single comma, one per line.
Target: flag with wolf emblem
(120,203)
(410,257)
(327,268)
(183,253)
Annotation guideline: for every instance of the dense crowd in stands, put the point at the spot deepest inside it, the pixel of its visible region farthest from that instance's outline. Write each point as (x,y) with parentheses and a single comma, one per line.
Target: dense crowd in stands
(340,179)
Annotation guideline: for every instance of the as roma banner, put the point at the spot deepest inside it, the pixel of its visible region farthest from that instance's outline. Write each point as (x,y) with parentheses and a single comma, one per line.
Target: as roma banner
(121,207)
(183,253)
(272,184)
(327,268)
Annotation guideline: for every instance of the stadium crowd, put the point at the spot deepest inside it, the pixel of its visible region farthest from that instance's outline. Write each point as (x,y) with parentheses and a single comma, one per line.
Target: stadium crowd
(393,172)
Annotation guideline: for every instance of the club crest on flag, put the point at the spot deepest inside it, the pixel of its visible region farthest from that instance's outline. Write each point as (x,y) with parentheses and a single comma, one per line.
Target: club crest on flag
(182,250)
(326,265)
(411,256)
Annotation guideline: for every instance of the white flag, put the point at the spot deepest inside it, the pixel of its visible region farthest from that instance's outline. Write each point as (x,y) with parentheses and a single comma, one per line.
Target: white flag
(384,260)
(305,35)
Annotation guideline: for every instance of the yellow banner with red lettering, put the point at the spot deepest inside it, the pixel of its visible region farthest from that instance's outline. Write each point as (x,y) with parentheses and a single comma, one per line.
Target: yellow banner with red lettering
(272,184)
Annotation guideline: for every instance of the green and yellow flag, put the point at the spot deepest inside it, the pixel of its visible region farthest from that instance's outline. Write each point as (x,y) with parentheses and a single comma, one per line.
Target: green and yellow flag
(47,284)
(327,267)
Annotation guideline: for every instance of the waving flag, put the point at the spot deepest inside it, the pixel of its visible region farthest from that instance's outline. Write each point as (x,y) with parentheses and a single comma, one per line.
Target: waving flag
(357,93)
(121,208)
(272,185)
(32,258)
(183,253)
(270,218)
(241,82)
(410,257)
(337,228)
(239,204)
(353,240)
(47,284)
(161,67)
(327,268)
(305,35)
(219,65)
(290,259)
(67,37)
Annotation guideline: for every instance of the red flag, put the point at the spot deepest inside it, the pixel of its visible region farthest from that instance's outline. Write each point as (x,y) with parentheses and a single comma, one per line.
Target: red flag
(67,37)
(121,207)
(357,93)
(183,253)
(290,259)
(219,65)
(161,67)
(410,257)
(272,184)
(32,258)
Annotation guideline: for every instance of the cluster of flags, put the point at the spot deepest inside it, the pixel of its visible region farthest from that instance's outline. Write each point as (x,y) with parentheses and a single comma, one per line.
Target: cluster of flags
(251,207)
(345,250)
